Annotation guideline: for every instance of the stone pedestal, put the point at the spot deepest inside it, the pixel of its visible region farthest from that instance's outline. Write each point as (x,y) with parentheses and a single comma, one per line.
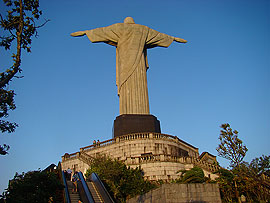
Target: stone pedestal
(135,123)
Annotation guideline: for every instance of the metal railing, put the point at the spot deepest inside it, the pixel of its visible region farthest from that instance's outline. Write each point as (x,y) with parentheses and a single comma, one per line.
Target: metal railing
(85,188)
(67,198)
(101,188)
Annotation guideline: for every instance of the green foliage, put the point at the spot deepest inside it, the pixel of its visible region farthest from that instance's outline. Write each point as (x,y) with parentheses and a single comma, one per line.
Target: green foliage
(33,186)
(231,147)
(194,175)
(253,179)
(160,182)
(261,165)
(19,26)
(121,181)
(226,185)
(20,11)
(3,149)
(6,104)
(250,180)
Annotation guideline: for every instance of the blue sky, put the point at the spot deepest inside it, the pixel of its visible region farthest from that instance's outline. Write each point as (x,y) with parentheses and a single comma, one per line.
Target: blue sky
(68,95)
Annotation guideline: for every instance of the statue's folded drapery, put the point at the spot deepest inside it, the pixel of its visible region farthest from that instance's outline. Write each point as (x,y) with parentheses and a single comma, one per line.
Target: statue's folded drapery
(131,41)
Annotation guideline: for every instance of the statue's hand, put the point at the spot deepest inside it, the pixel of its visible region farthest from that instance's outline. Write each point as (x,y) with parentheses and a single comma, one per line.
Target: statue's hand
(180,40)
(78,34)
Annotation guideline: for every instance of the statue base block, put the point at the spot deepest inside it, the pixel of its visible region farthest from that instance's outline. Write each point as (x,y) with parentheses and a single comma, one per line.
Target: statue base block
(135,123)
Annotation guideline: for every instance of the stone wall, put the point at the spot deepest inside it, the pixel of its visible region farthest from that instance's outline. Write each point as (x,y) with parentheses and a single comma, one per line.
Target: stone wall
(159,155)
(181,193)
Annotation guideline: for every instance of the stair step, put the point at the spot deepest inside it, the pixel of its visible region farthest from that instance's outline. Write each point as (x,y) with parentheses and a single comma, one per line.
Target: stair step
(74,197)
(94,192)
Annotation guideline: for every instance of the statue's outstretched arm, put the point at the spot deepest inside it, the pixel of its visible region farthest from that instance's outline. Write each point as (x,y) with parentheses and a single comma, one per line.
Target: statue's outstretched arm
(78,34)
(176,39)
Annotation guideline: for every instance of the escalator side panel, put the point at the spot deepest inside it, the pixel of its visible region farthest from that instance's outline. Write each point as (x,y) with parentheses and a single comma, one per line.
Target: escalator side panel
(101,188)
(67,198)
(84,190)
(96,196)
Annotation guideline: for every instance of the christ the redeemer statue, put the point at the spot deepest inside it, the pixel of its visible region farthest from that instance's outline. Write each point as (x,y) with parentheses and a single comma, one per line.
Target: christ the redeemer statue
(131,41)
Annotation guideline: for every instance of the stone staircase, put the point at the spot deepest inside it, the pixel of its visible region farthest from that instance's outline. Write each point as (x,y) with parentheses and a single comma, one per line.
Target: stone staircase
(85,157)
(95,194)
(74,196)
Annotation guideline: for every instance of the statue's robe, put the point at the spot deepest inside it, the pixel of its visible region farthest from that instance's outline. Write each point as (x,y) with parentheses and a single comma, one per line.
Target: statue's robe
(131,42)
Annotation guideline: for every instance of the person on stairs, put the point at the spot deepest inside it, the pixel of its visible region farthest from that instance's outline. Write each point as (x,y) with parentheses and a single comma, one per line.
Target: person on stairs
(75,179)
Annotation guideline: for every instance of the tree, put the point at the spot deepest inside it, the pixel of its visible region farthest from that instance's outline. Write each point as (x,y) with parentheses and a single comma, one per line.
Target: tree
(121,181)
(19,25)
(261,165)
(33,186)
(194,175)
(253,179)
(226,185)
(231,147)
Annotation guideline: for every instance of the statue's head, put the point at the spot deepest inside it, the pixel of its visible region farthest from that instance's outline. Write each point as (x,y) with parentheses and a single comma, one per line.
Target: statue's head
(129,20)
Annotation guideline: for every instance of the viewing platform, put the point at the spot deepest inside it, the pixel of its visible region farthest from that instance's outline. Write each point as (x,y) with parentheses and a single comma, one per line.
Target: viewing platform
(159,155)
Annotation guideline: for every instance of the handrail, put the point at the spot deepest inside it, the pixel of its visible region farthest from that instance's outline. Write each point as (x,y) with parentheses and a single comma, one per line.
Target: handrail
(101,188)
(85,188)
(170,158)
(67,198)
(158,157)
(131,136)
(101,144)
(85,157)
(146,135)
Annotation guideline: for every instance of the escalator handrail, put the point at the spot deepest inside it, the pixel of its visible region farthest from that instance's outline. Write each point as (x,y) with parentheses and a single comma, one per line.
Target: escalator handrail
(66,187)
(85,188)
(101,188)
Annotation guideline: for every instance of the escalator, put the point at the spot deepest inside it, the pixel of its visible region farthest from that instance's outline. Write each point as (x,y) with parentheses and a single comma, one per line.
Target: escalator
(96,196)
(74,196)
(96,186)
(92,191)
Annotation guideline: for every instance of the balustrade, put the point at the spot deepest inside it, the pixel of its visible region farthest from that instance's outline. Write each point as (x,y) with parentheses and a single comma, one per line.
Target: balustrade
(70,156)
(148,158)
(133,136)
(183,160)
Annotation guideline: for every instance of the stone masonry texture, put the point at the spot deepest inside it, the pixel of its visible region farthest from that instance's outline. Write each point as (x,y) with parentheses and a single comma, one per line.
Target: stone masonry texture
(181,193)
